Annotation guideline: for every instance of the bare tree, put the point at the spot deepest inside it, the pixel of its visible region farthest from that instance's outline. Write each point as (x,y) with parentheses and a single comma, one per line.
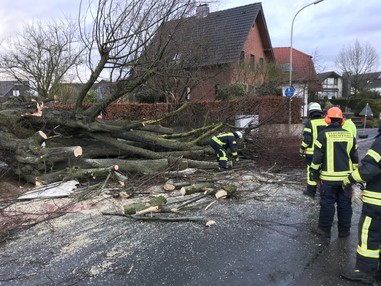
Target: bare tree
(115,34)
(318,61)
(355,61)
(121,31)
(42,54)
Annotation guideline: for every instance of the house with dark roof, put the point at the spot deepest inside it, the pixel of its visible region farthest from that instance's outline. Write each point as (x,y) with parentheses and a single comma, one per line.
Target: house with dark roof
(218,48)
(332,85)
(372,81)
(304,76)
(12,88)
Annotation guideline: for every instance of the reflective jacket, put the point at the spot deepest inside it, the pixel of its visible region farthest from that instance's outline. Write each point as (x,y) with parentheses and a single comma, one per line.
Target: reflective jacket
(350,126)
(310,134)
(370,172)
(335,153)
(226,141)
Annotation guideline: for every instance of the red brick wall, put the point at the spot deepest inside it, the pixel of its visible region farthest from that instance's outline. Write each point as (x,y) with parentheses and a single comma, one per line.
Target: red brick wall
(206,90)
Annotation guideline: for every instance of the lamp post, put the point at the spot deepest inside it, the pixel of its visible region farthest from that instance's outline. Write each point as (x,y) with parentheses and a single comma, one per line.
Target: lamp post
(290,79)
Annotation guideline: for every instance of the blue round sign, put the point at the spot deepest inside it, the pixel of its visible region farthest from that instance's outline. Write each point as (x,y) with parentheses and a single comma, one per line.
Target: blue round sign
(289,91)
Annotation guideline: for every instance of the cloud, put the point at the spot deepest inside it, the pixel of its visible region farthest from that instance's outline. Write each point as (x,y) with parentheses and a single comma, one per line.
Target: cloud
(325,27)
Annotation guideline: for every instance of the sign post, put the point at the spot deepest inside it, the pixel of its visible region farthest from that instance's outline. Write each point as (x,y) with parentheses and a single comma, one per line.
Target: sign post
(289,91)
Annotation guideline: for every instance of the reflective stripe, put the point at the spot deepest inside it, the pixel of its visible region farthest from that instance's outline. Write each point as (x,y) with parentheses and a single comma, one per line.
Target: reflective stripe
(307,130)
(362,248)
(333,138)
(224,157)
(356,176)
(368,253)
(309,182)
(318,144)
(316,126)
(372,198)
(374,155)
(218,141)
(234,153)
(336,176)
(315,166)
(371,194)
(304,145)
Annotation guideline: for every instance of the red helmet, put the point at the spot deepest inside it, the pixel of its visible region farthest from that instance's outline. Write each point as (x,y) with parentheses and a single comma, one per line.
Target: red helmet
(334,112)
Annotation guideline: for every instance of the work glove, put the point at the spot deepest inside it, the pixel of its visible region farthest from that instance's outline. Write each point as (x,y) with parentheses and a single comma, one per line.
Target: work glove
(314,175)
(302,152)
(347,185)
(360,186)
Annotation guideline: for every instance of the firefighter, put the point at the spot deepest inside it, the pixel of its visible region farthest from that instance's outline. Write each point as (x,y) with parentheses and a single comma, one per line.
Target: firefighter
(312,127)
(223,142)
(350,126)
(335,157)
(369,227)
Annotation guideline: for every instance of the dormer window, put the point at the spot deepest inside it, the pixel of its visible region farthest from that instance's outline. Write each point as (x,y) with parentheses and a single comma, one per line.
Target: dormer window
(176,57)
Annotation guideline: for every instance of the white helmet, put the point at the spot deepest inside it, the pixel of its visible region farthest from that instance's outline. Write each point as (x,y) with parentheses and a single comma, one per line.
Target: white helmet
(239,134)
(314,106)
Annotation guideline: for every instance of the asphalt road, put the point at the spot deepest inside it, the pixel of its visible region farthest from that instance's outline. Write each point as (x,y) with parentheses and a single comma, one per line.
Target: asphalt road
(261,237)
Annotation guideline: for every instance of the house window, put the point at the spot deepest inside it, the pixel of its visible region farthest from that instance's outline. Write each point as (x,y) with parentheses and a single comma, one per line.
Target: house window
(242,59)
(16,92)
(285,67)
(188,93)
(100,93)
(252,62)
(330,82)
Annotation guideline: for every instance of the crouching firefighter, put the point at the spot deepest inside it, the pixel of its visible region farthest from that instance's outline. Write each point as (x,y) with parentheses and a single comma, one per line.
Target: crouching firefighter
(223,142)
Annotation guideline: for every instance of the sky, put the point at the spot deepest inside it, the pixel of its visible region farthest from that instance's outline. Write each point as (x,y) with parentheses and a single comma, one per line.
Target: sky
(320,30)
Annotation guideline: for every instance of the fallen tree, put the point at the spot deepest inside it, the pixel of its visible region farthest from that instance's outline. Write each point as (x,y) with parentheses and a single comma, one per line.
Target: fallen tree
(67,148)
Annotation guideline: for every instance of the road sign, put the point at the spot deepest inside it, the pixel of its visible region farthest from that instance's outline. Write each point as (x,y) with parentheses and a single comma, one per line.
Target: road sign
(289,91)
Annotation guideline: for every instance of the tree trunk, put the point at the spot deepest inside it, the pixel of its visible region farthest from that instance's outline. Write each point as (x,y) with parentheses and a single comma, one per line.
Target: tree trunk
(48,155)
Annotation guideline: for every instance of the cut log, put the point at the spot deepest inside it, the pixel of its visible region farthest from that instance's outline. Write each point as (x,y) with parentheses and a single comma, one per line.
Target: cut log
(169,187)
(221,194)
(31,151)
(154,209)
(122,180)
(195,188)
(230,189)
(38,112)
(60,153)
(131,166)
(133,208)
(72,173)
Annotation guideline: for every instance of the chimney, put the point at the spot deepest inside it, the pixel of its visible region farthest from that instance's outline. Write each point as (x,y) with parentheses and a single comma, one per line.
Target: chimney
(202,10)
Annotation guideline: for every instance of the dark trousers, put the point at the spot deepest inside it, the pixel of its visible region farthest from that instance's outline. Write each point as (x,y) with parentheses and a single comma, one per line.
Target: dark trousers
(332,197)
(369,235)
(221,153)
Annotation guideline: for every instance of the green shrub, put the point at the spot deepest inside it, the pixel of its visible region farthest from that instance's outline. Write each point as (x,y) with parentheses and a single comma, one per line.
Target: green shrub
(91,96)
(232,90)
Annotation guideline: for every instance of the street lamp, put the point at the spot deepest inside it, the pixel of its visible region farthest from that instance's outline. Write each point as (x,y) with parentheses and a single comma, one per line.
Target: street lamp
(290,79)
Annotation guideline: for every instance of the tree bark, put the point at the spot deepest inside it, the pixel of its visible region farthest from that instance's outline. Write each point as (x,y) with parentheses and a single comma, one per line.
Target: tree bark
(44,155)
